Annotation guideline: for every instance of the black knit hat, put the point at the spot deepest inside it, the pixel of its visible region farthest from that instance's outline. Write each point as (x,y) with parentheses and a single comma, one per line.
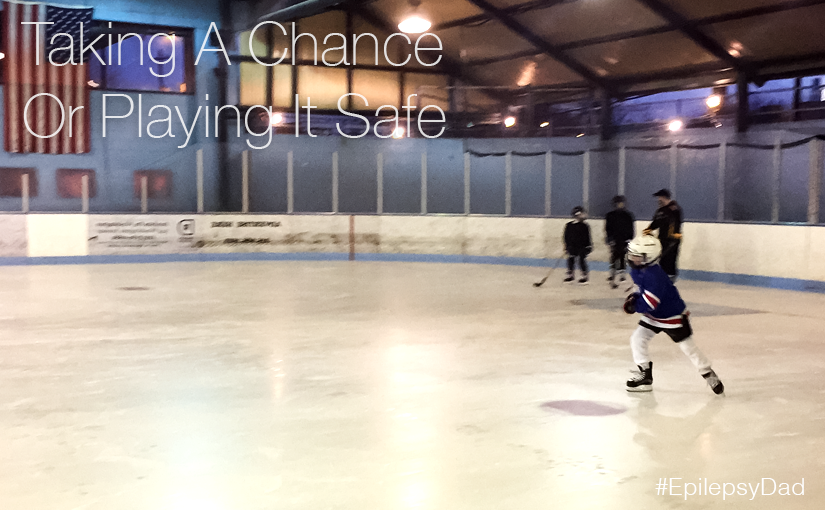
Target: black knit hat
(619,199)
(577,210)
(664,192)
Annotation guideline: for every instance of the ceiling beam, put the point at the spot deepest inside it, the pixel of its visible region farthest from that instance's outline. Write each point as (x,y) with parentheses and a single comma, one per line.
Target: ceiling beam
(757,11)
(525,33)
(807,58)
(692,32)
(512,10)
(663,29)
(679,73)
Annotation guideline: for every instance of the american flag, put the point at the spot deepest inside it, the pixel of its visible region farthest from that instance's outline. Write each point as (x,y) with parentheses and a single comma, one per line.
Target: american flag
(25,79)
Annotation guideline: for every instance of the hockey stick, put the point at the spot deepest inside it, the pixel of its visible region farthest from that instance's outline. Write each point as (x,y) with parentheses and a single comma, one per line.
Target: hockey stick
(548,275)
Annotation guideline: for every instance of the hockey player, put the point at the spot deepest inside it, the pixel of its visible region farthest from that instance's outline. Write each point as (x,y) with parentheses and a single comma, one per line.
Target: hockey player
(662,309)
(577,244)
(619,228)
(668,221)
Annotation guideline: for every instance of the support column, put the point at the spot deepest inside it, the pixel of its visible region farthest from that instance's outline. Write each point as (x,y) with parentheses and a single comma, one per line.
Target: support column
(548,182)
(674,167)
(606,121)
(622,168)
(199,179)
(25,192)
(466,183)
(335,182)
(777,180)
(797,97)
(586,181)
(814,180)
(144,194)
(84,194)
(379,179)
(508,184)
(720,182)
(423,183)
(245,182)
(743,106)
(222,74)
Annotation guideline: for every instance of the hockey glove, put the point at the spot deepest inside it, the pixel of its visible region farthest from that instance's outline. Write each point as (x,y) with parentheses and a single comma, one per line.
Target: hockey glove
(629,306)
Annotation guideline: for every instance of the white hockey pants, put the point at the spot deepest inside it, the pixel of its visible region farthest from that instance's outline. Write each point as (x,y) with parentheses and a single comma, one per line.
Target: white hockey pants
(640,339)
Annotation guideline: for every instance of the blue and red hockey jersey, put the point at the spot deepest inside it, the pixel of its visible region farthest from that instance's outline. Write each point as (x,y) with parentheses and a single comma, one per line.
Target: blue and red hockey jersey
(657,299)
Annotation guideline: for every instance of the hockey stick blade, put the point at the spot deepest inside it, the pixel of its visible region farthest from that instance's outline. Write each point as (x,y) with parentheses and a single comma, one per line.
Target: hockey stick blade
(541,282)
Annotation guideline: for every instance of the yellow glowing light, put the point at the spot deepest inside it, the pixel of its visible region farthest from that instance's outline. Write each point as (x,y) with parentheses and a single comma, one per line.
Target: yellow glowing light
(399,132)
(2,55)
(544,124)
(714,101)
(675,125)
(414,24)
(510,122)
(579,135)
(276,119)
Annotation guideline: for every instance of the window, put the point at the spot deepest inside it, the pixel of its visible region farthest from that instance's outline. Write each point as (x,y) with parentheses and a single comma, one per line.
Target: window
(158,183)
(11,182)
(141,60)
(70,182)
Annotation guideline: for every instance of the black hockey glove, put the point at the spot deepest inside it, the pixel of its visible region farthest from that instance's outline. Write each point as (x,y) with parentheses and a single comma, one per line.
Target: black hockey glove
(629,306)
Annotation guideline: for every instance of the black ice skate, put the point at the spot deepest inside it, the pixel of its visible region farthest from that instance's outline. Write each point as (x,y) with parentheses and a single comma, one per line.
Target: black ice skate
(714,382)
(583,280)
(642,379)
(569,278)
(614,285)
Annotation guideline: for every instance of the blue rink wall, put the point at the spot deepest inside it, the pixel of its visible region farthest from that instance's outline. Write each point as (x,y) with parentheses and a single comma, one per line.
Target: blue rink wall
(777,256)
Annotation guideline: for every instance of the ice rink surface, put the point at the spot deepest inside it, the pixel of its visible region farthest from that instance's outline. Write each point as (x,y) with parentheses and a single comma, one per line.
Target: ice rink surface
(388,386)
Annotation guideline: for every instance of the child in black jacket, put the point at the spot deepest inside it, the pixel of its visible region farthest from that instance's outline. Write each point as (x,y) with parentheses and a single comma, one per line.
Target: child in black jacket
(577,244)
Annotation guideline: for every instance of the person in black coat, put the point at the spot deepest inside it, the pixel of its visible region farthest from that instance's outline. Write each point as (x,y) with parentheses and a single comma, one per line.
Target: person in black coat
(619,228)
(668,221)
(577,244)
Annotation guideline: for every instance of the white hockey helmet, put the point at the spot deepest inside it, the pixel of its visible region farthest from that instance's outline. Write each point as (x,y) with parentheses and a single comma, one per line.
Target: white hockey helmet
(643,251)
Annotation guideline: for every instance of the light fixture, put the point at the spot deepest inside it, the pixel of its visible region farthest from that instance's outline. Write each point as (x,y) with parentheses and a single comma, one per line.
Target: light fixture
(414,23)
(579,135)
(510,121)
(399,132)
(544,124)
(276,119)
(675,125)
(2,55)
(714,101)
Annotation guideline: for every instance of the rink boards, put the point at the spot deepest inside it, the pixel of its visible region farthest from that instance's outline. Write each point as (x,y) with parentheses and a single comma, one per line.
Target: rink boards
(772,251)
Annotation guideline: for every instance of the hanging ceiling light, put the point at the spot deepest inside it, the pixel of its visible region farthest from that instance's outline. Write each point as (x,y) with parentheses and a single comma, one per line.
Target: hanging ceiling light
(510,121)
(675,125)
(414,23)
(713,101)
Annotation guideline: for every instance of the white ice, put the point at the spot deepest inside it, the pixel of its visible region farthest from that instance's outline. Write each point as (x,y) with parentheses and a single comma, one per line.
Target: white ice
(373,386)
